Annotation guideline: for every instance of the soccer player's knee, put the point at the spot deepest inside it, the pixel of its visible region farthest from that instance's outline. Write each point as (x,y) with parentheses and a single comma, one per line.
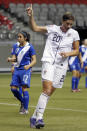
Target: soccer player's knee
(24,88)
(13,90)
(48,92)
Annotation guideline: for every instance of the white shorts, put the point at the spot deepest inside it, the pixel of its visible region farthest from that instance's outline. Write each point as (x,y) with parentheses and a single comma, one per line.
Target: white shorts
(55,73)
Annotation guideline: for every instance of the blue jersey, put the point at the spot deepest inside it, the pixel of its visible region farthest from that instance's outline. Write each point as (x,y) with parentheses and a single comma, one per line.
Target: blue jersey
(23,54)
(83,51)
(74,63)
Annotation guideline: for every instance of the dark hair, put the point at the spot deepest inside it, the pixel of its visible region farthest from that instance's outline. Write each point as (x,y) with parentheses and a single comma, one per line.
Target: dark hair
(26,35)
(68,16)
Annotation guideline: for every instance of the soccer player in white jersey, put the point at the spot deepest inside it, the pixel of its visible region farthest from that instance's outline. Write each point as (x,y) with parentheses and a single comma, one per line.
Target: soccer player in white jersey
(60,40)
(25,57)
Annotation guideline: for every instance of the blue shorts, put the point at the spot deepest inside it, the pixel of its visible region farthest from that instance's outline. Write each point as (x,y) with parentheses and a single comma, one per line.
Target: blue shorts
(21,78)
(75,67)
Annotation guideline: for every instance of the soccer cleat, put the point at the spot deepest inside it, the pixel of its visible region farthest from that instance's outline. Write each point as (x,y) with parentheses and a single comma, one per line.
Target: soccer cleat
(76,90)
(32,122)
(39,123)
(24,111)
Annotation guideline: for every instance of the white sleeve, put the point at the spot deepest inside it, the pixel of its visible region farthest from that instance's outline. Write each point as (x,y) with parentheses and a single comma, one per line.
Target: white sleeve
(50,28)
(76,36)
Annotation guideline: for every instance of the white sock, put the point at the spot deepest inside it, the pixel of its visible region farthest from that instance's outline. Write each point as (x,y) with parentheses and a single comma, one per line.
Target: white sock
(42,102)
(34,114)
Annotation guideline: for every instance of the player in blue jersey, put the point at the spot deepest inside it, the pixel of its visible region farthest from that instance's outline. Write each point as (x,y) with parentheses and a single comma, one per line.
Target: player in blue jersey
(83,50)
(75,64)
(25,58)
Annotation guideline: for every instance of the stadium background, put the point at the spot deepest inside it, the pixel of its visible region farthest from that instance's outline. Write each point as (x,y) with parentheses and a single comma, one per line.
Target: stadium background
(66,111)
(13,18)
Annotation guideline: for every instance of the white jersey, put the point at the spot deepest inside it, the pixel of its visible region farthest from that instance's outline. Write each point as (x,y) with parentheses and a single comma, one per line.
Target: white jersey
(57,42)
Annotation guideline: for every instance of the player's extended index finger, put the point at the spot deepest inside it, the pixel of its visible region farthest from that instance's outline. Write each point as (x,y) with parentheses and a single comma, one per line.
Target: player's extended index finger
(31,6)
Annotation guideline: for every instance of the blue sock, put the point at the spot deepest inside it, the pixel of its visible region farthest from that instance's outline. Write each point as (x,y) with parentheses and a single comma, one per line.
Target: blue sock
(25,99)
(73,82)
(77,82)
(86,82)
(17,94)
(20,90)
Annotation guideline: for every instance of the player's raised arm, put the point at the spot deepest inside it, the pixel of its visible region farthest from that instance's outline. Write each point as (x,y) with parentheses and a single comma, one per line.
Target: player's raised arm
(32,22)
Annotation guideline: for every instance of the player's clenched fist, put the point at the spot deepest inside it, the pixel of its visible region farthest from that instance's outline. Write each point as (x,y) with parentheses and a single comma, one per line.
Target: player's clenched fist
(29,10)
(9,59)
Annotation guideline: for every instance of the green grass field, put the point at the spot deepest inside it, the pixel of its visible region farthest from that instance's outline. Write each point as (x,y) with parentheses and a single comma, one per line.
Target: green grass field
(66,111)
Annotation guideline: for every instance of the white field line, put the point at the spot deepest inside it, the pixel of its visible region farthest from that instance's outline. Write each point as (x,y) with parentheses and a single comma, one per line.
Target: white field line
(48,108)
